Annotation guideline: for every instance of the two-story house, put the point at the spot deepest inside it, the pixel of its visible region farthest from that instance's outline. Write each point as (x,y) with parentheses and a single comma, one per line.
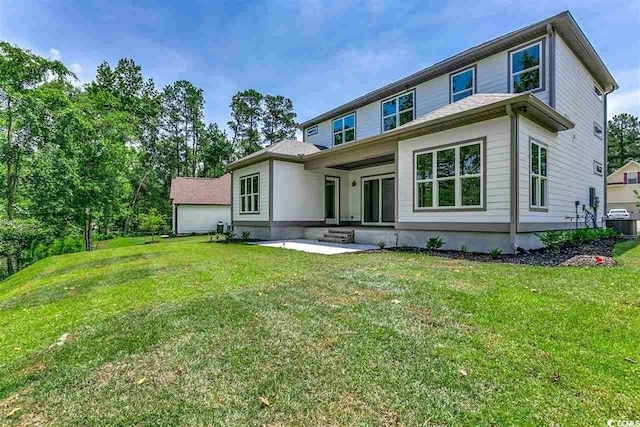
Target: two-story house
(623,189)
(485,149)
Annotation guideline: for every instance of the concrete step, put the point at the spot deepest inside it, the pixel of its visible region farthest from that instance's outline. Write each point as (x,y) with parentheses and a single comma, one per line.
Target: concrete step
(341,231)
(338,235)
(334,240)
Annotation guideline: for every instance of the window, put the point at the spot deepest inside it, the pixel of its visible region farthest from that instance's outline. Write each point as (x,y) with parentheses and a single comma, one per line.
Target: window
(597,130)
(632,179)
(597,91)
(250,194)
(449,177)
(312,131)
(538,176)
(462,85)
(526,70)
(397,111)
(344,129)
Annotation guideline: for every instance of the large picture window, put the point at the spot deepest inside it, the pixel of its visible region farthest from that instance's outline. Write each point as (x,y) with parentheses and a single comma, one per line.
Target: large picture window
(250,194)
(462,85)
(398,111)
(344,129)
(539,187)
(526,68)
(450,177)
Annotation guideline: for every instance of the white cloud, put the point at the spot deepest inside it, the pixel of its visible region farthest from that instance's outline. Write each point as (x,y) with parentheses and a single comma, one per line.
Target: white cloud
(76,68)
(54,54)
(627,98)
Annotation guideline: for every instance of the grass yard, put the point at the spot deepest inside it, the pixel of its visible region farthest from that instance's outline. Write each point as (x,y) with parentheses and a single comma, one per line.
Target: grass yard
(183,332)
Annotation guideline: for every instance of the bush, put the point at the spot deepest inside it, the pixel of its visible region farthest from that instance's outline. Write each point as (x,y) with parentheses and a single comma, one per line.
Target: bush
(559,239)
(106,236)
(464,249)
(435,243)
(245,236)
(495,253)
(229,235)
(381,244)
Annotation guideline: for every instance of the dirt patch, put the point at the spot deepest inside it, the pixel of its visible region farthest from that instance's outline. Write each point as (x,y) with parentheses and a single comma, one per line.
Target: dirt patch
(541,257)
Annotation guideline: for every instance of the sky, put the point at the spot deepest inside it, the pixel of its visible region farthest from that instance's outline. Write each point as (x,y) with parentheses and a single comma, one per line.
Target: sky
(318,53)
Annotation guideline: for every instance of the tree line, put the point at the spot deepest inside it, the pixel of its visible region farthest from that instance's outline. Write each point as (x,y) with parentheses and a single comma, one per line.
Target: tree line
(85,159)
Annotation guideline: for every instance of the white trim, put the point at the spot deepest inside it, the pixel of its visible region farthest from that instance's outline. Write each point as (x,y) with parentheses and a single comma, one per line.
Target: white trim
(251,207)
(378,178)
(538,176)
(538,67)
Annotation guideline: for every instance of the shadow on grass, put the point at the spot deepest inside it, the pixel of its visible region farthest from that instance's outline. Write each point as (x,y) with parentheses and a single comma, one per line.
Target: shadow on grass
(624,247)
(74,288)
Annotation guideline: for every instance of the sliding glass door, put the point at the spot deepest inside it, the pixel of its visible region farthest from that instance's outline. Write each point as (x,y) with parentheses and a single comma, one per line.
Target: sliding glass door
(378,200)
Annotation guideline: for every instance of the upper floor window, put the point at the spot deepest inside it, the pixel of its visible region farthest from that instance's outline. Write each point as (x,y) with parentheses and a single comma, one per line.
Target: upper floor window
(449,177)
(344,129)
(631,178)
(312,131)
(538,176)
(462,85)
(526,68)
(597,91)
(597,130)
(397,111)
(250,194)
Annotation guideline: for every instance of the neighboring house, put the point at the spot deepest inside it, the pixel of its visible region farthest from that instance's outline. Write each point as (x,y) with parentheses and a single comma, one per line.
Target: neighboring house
(485,149)
(620,189)
(200,203)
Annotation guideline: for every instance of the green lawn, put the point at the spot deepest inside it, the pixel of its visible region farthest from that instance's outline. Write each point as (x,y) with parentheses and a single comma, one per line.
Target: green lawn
(184,332)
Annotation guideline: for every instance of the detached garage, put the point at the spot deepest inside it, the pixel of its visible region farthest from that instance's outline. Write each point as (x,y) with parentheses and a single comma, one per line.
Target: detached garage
(200,203)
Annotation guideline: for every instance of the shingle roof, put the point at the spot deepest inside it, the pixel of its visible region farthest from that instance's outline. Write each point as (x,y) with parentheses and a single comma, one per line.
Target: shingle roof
(468,103)
(286,147)
(201,191)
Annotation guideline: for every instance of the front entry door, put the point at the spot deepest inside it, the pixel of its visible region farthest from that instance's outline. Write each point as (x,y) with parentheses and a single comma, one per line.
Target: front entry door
(378,200)
(331,200)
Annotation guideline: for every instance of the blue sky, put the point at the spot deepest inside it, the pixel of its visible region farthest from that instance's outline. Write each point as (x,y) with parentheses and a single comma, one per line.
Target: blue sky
(318,53)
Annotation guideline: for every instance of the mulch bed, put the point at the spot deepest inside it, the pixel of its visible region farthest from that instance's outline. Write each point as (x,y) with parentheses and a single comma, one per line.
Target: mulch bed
(596,254)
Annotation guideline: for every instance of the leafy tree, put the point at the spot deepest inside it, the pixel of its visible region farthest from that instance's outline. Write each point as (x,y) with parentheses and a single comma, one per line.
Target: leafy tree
(246,114)
(623,140)
(216,152)
(151,222)
(278,119)
(17,236)
(21,74)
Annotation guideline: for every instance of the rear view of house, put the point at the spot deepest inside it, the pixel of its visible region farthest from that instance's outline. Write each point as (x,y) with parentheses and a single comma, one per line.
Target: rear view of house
(483,149)
(200,203)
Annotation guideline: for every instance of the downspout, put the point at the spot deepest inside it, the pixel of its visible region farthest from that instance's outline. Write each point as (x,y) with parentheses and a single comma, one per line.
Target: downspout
(513,199)
(552,66)
(605,162)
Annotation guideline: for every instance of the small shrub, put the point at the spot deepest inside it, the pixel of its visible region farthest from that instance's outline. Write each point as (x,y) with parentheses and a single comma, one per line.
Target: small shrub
(556,240)
(464,250)
(211,234)
(229,235)
(381,244)
(404,247)
(245,236)
(495,253)
(435,243)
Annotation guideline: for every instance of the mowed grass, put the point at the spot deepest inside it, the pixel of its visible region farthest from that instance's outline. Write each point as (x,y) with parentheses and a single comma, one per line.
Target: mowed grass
(189,333)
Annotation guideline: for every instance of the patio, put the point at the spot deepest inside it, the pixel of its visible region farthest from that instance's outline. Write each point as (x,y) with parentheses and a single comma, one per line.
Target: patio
(316,247)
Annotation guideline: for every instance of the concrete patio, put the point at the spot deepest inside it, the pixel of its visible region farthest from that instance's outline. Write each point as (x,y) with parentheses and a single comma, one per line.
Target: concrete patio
(316,247)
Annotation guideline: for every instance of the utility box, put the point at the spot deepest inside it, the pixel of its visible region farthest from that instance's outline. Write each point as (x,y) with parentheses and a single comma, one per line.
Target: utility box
(220,227)
(626,227)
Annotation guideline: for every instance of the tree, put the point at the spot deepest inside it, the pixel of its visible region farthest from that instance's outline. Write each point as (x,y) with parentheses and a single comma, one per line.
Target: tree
(278,119)
(216,152)
(246,114)
(21,74)
(17,236)
(151,222)
(623,140)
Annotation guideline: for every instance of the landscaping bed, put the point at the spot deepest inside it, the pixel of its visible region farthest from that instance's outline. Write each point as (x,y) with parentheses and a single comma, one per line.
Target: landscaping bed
(597,253)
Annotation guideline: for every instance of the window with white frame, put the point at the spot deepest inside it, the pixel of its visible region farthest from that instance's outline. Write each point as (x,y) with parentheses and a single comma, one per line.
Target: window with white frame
(526,68)
(539,187)
(397,111)
(597,130)
(344,129)
(462,85)
(250,194)
(597,91)
(450,177)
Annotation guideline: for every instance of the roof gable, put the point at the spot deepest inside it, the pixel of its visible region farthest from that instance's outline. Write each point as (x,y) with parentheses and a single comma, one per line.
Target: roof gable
(630,166)
(201,191)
